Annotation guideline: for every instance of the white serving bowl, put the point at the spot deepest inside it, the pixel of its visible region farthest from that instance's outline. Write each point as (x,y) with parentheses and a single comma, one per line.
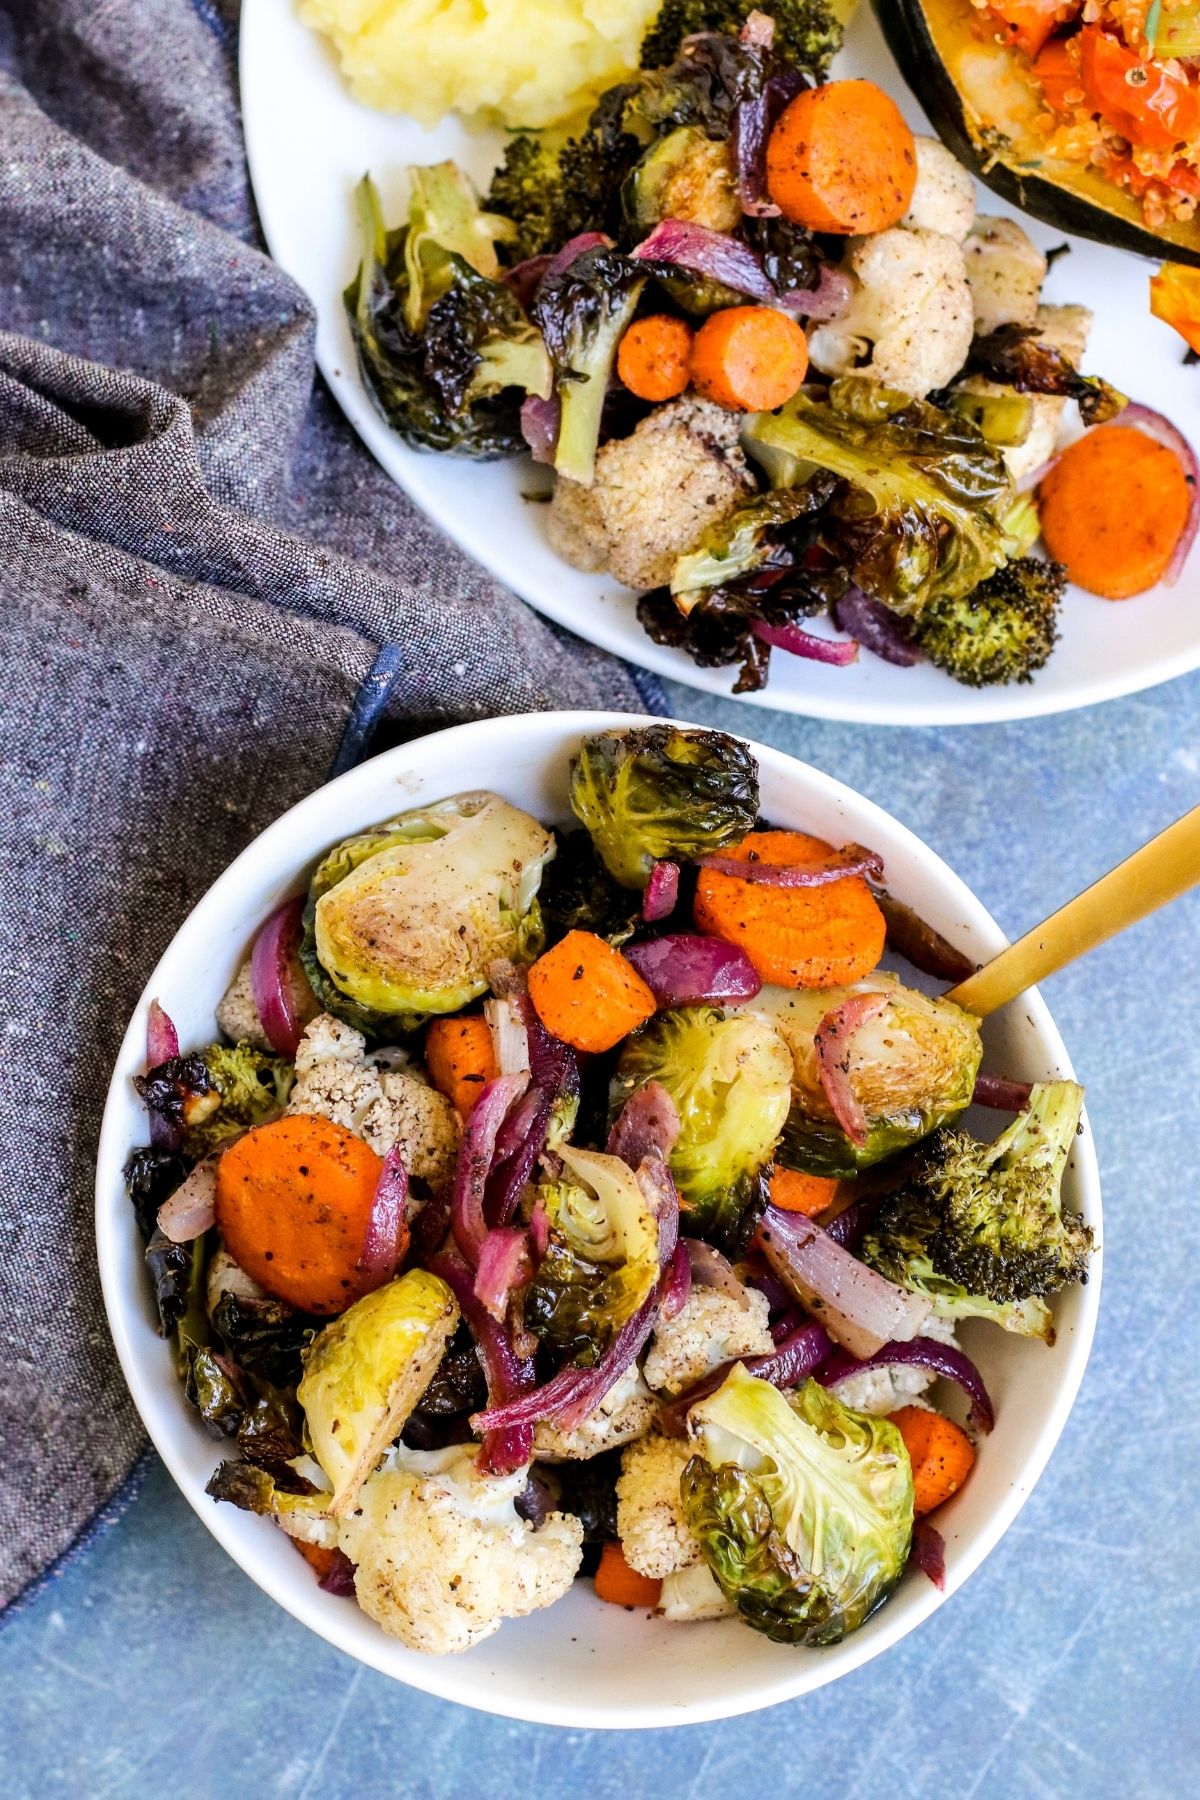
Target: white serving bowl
(582,1663)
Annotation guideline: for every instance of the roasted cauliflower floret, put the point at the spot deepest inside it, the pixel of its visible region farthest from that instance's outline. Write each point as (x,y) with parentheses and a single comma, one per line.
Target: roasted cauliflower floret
(237,1015)
(691,1595)
(389,1108)
(442,1556)
(654,495)
(883,1390)
(654,1534)
(911,311)
(1005,270)
(944,198)
(710,1329)
(626,1411)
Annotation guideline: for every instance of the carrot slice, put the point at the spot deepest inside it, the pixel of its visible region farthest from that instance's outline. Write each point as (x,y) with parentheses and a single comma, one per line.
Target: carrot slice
(808,1194)
(621,1585)
(460,1059)
(841,159)
(795,937)
(1113,510)
(749,358)
(941,1454)
(654,360)
(585,993)
(293,1200)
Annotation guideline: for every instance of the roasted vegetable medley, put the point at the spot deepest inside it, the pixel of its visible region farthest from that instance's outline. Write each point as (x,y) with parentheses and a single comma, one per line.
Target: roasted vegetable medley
(780,369)
(591,1202)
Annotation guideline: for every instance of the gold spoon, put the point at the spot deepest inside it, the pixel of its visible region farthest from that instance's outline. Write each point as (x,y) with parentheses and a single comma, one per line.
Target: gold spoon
(1160,871)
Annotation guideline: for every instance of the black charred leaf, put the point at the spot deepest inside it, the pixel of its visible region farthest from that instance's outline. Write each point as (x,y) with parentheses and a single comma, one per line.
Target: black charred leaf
(269,1436)
(458,1386)
(151,1177)
(589,1490)
(181,1091)
(263,1336)
(215,1389)
(573,307)
(710,79)
(579,894)
(170,1267)
(1018,357)
(791,256)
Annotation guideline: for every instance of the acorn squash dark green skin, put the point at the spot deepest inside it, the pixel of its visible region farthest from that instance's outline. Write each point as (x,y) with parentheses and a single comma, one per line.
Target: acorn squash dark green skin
(905,26)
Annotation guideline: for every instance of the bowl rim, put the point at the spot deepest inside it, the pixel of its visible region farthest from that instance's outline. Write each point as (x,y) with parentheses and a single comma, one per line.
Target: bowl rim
(283,846)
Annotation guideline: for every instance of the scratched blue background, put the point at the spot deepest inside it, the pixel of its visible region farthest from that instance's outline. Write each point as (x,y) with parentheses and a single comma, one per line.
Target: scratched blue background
(1068,1666)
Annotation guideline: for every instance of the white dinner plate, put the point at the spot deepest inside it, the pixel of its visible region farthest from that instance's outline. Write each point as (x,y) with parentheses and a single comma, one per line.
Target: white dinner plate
(309,142)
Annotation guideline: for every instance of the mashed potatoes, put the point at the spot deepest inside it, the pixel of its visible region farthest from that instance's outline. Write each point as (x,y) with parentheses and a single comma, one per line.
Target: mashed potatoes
(512,62)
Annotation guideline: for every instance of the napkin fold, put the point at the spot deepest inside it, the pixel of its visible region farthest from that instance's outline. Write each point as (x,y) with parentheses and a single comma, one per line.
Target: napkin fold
(210,597)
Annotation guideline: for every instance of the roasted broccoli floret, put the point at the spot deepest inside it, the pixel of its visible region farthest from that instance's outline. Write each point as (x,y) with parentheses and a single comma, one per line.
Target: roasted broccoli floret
(980,1228)
(253,1087)
(808,33)
(1004,631)
(554,187)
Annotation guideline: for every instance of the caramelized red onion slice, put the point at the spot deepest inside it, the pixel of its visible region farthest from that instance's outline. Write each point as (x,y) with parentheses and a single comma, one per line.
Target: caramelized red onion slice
(832,1045)
(525,278)
(876,627)
(851,859)
(579,245)
(686,970)
(541,421)
(1004,1095)
(677,1283)
(508,1375)
(712,1270)
(573,1394)
(822,304)
(386,1237)
(271,977)
(711,254)
(798,642)
(510,1040)
(505,1263)
(647,1125)
(476,1154)
(1159,427)
(162,1044)
(944,1360)
(859,1308)
(662,892)
(910,936)
(794,1358)
(929,1552)
(191,1210)
(339,1577)
(521,1141)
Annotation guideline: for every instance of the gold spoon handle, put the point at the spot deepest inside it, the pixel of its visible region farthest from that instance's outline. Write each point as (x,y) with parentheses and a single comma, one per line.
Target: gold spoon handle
(1160,871)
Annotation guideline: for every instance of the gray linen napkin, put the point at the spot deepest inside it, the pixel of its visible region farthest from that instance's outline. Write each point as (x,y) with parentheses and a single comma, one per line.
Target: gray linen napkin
(209,597)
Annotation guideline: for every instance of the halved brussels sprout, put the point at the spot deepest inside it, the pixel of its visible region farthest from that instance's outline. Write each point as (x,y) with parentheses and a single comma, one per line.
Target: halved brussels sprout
(603,1256)
(911,1068)
(684,175)
(660,792)
(803,1508)
(364,1374)
(730,1077)
(403,920)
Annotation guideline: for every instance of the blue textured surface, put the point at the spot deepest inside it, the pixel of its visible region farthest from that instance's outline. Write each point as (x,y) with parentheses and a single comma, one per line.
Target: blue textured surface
(1068,1666)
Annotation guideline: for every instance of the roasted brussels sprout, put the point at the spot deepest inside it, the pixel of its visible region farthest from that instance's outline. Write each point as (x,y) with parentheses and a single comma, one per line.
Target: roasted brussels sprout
(803,1508)
(684,175)
(603,1256)
(980,1229)
(729,1075)
(910,1068)
(661,792)
(403,920)
(366,1372)
(304,1515)
(920,516)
